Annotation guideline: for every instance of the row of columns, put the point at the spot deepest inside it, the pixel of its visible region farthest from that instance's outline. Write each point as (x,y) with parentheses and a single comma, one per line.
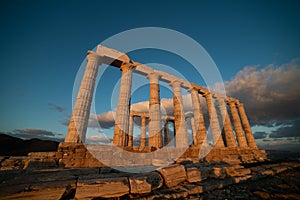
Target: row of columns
(129,136)
(155,135)
(124,123)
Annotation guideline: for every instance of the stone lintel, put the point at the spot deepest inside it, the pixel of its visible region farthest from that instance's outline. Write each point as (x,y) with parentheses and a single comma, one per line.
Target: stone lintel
(117,59)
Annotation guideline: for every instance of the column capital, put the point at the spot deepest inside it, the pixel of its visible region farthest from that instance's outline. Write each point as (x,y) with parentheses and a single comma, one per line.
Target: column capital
(92,56)
(153,77)
(175,83)
(207,94)
(240,105)
(230,101)
(125,67)
(193,88)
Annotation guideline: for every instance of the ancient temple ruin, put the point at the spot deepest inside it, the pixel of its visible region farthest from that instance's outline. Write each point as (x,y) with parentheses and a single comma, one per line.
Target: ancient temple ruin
(231,132)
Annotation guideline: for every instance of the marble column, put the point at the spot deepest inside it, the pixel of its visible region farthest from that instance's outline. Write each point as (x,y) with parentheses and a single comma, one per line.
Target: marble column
(155,132)
(143,133)
(122,113)
(194,131)
(214,122)
(229,136)
(81,111)
(166,133)
(180,123)
(130,134)
(237,124)
(199,119)
(247,127)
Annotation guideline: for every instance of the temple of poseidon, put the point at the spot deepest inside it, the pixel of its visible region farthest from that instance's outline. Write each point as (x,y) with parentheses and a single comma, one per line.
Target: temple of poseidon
(233,140)
(210,147)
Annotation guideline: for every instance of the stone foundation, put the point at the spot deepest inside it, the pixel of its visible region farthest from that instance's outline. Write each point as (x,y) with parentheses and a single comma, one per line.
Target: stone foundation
(70,155)
(76,155)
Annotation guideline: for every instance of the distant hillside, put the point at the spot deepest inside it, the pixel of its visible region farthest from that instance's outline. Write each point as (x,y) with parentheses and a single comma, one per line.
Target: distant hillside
(12,146)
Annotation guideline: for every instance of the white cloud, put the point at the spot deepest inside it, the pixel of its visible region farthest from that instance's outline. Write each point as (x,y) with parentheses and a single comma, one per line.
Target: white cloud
(98,139)
(269,93)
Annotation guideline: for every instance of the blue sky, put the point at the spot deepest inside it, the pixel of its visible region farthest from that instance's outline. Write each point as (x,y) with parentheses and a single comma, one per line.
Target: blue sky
(43,44)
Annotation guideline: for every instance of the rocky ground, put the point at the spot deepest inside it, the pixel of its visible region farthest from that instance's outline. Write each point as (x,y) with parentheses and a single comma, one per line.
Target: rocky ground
(276,178)
(281,186)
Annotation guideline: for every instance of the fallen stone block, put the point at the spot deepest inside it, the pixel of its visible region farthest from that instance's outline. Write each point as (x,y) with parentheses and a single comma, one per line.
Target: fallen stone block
(50,193)
(267,172)
(243,171)
(193,174)
(261,194)
(106,188)
(173,174)
(145,183)
(241,178)
(280,169)
(193,189)
(218,172)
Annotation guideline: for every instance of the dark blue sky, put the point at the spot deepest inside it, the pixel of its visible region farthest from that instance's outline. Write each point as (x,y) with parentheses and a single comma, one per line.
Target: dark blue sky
(44,42)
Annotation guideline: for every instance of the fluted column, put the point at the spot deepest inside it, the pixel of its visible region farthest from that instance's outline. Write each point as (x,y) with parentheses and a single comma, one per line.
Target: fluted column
(194,131)
(199,119)
(237,124)
(143,133)
(214,122)
(229,136)
(130,134)
(180,123)
(81,111)
(166,133)
(122,113)
(155,133)
(247,127)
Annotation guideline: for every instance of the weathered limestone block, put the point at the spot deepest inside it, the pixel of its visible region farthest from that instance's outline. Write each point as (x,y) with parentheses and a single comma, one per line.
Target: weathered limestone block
(194,189)
(244,158)
(106,188)
(193,175)
(231,171)
(145,183)
(262,195)
(280,169)
(241,178)
(218,172)
(42,154)
(44,163)
(268,173)
(92,162)
(13,162)
(8,163)
(243,171)
(205,172)
(49,193)
(173,175)
(232,161)
(70,162)
(178,193)
(80,150)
